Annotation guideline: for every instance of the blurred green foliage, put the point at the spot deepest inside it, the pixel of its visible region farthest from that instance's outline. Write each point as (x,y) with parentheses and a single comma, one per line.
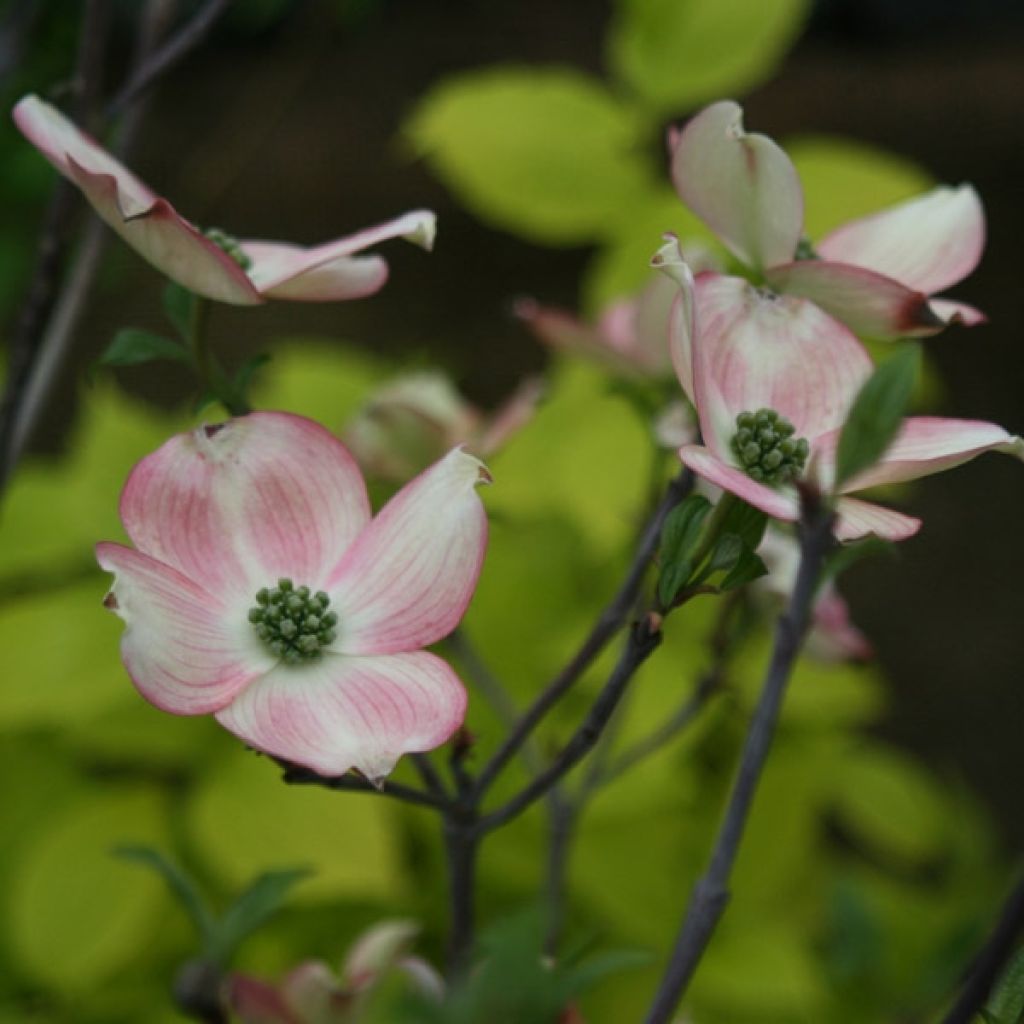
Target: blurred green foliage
(864,879)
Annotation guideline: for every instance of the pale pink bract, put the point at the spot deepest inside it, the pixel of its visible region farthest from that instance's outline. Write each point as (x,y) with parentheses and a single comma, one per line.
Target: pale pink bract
(225,510)
(176,247)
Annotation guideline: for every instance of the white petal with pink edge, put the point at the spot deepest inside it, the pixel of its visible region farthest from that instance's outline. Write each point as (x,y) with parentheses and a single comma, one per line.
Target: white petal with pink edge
(329,272)
(931,444)
(868,303)
(407,579)
(742,186)
(145,221)
(856,519)
(927,243)
(341,712)
(682,322)
(755,349)
(236,505)
(186,651)
(779,504)
(952,312)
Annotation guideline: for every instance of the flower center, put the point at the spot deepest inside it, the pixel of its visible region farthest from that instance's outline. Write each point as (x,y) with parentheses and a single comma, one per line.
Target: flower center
(229,244)
(766,448)
(293,623)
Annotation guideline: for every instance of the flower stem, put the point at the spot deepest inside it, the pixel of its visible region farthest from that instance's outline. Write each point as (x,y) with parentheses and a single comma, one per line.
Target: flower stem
(711,893)
(462,842)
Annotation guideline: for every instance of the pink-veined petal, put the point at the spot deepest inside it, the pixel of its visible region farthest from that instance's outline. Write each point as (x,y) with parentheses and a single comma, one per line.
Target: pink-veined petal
(868,303)
(856,519)
(511,416)
(341,712)
(329,272)
(406,580)
(931,444)
(755,349)
(834,636)
(779,504)
(148,223)
(742,186)
(236,505)
(952,312)
(186,651)
(927,243)
(682,322)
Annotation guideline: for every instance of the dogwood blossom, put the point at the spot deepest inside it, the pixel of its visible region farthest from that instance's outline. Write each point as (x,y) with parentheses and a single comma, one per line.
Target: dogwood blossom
(212,263)
(874,274)
(773,378)
(261,591)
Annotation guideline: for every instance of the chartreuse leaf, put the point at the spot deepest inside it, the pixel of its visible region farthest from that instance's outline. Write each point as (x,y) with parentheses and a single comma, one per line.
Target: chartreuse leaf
(243,817)
(133,347)
(75,912)
(1006,1005)
(876,414)
(548,154)
(679,539)
(678,53)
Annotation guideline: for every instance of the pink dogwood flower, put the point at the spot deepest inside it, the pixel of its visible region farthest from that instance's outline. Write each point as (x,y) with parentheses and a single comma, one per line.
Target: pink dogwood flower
(874,274)
(773,379)
(212,264)
(261,591)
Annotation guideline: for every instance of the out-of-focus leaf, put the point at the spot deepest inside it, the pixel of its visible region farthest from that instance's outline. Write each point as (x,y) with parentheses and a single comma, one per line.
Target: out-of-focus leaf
(548,153)
(244,817)
(133,347)
(876,414)
(746,567)
(259,901)
(1007,1002)
(179,307)
(679,538)
(76,912)
(678,53)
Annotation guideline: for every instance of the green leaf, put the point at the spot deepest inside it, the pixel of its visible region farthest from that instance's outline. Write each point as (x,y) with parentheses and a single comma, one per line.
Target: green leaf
(1007,1003)
(259,901)
(132,347)
(747,522)
(876,414)
(678,53)
(243,377)
(749,566)
(179,306)
(545,153)
(182,887)
(679,538)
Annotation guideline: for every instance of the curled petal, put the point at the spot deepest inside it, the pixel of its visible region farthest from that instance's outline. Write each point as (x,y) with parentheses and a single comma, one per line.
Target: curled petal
(927,243)
(950,312)
(342,712)
(145,221)
(682,322)
(236,505)
(329,272)
(867,302)
(856,519)
(757,350)
(742,186)
(930,444)
(407,579)
(186,652)
(779,504)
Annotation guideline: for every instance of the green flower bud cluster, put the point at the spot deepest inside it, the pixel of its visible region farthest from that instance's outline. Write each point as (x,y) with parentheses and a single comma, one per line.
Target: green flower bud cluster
(230,245)
(805,250)
(294,623)
(766,448)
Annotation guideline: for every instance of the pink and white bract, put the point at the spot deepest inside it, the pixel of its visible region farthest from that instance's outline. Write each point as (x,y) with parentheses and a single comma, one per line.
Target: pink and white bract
(151,226)
(739,349)
(874,274)
(220,515)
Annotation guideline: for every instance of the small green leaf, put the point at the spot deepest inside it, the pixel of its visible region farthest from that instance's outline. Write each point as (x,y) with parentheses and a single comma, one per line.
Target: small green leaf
(243,378)
(179,305)
(261,899)
(747,522)
(748,567)
(679,537)
(876,414)
(133,347)
(182,887)
(1006,1006)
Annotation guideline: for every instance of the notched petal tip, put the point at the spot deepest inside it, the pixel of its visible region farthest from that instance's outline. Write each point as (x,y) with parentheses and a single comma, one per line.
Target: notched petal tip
(110,601)
(475,471)
(669,260)
(424,229)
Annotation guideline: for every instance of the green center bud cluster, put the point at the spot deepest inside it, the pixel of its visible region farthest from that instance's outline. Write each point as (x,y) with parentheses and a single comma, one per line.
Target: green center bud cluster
(229,244)
(294,623)
(766,448)
(805,250)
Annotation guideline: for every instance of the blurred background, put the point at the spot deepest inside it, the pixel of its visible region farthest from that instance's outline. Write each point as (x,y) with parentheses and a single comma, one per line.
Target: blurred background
(304,121)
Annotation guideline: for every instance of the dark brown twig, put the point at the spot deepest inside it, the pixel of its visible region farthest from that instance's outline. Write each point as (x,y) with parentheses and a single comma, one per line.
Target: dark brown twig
(296,775)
